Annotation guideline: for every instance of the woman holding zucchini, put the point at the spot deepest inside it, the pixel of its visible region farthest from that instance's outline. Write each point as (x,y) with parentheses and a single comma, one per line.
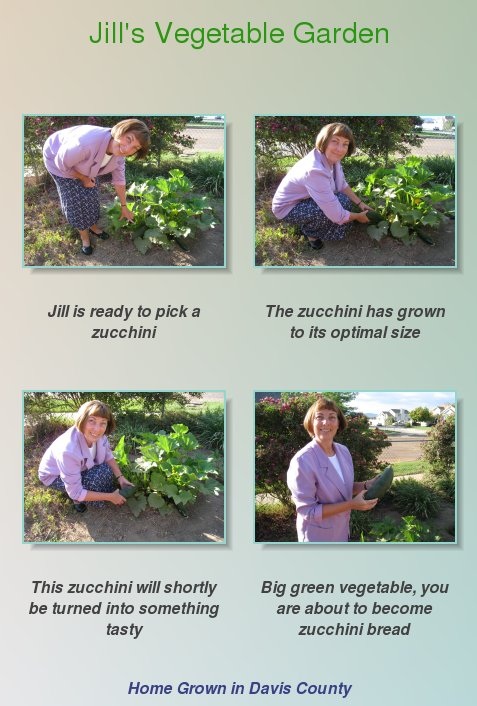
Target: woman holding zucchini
(321,479)
(78,156)
(80,462)
(314,196)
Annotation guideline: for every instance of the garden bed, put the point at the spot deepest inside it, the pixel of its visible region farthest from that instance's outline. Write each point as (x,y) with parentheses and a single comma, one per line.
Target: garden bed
(50,242)
(279,245)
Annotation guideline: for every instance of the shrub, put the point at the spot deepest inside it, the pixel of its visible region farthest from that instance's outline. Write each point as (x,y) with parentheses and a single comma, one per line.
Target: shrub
(168,472)
(443,484)
(166,133)
(360,526)
(409,530)
(443,168)
(207,174)
(378,137)
(208,426)
(411,497)
(279,434)
(440,447)
(164,210)
(406,199)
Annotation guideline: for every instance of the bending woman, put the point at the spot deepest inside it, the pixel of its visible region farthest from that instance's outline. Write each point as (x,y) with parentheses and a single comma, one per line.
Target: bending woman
(315,196)
(80,462)
(77,156)
(321,479)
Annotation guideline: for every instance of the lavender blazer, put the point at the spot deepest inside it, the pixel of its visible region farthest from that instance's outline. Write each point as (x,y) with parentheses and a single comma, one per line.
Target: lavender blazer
(82,148)
(312,177)
(314,482)
(67,457)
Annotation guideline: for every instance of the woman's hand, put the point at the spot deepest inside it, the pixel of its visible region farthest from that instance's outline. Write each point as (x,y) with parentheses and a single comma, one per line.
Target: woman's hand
(124,483)
(364,206)
(359,503)
(126,213)
(361,217)
(88,183)
(116,499)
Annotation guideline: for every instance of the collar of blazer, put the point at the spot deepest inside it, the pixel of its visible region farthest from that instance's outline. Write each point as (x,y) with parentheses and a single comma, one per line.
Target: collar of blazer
(330,471)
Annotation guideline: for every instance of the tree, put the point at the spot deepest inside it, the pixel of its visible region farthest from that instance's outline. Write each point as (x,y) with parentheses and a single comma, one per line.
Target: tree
(439,450)
(37,403)
(167,133)
(377,137)
(421,414)
(279,434)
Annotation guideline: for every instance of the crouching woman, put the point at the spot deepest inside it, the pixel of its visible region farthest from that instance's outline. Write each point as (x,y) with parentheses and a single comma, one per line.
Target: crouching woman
(80,462)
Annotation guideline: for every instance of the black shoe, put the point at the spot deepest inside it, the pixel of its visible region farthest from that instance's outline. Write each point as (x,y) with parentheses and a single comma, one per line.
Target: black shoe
(315,243)
(87,250)
(102,236)
(79,507)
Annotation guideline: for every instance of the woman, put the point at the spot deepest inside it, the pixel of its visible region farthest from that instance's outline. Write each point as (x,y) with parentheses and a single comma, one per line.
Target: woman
(77,156)
(314,195)
(80,462)
(321,479)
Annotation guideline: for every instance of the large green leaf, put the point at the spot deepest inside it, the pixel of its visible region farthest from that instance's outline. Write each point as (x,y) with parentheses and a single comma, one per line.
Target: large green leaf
(142,244)
(137,504)
(399,231)
(156,501)
(378,231)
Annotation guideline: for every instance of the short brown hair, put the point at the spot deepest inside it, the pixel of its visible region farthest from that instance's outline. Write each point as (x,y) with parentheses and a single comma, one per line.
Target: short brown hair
(94,408)
(140,130)
(323,403)
(328,131)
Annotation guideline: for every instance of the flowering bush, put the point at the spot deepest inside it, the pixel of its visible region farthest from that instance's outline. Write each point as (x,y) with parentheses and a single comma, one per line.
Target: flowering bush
(166,133)
(279,434)
(377,137)
(439,450)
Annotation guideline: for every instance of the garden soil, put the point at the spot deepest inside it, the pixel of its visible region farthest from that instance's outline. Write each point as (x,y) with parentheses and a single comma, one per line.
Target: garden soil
(206,249)
(358,250)
(205,523)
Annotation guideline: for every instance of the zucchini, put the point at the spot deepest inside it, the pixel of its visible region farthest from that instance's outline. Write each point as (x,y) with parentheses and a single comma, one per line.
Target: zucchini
(128,491)
(374,217)
(381,485)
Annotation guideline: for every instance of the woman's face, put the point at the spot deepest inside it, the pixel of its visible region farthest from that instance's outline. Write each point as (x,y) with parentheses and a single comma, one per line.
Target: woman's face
(325,426)
(94,429)
(126,145)
(336,149)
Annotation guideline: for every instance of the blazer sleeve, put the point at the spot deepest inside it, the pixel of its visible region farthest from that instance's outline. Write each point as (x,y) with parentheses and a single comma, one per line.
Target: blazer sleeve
(318,186)
(70,154)
(118,175)
(301,483)
(69,467)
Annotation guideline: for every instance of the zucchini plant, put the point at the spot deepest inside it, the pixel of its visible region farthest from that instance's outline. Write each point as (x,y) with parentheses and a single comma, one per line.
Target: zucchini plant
(168,472)
(407,200)
(165,210)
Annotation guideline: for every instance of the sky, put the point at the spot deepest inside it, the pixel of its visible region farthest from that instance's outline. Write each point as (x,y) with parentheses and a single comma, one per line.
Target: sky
(375,402)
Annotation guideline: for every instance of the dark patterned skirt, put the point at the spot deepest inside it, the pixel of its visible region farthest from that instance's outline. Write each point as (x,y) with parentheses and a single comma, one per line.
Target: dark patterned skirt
(99,478)
(79,204)
(313,223)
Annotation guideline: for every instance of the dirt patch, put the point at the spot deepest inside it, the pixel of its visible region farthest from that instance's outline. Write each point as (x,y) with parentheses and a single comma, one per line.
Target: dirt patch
(357,249)
(204,250)
(205,523)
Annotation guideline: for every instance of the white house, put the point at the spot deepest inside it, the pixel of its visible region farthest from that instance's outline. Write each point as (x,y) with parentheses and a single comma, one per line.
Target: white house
(444,410)
(392,416)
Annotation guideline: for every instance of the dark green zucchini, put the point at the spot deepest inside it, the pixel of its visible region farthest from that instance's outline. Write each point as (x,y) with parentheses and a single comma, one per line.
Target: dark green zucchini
(128,491)
(374,217)
(381,485)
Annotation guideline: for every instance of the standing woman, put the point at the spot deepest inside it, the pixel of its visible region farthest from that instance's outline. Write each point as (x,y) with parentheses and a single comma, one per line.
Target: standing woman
(315,196)
(80,462)
(77,156)
(321,479)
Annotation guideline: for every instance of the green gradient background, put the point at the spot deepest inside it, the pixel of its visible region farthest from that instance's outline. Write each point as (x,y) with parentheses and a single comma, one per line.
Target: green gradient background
(49,67)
